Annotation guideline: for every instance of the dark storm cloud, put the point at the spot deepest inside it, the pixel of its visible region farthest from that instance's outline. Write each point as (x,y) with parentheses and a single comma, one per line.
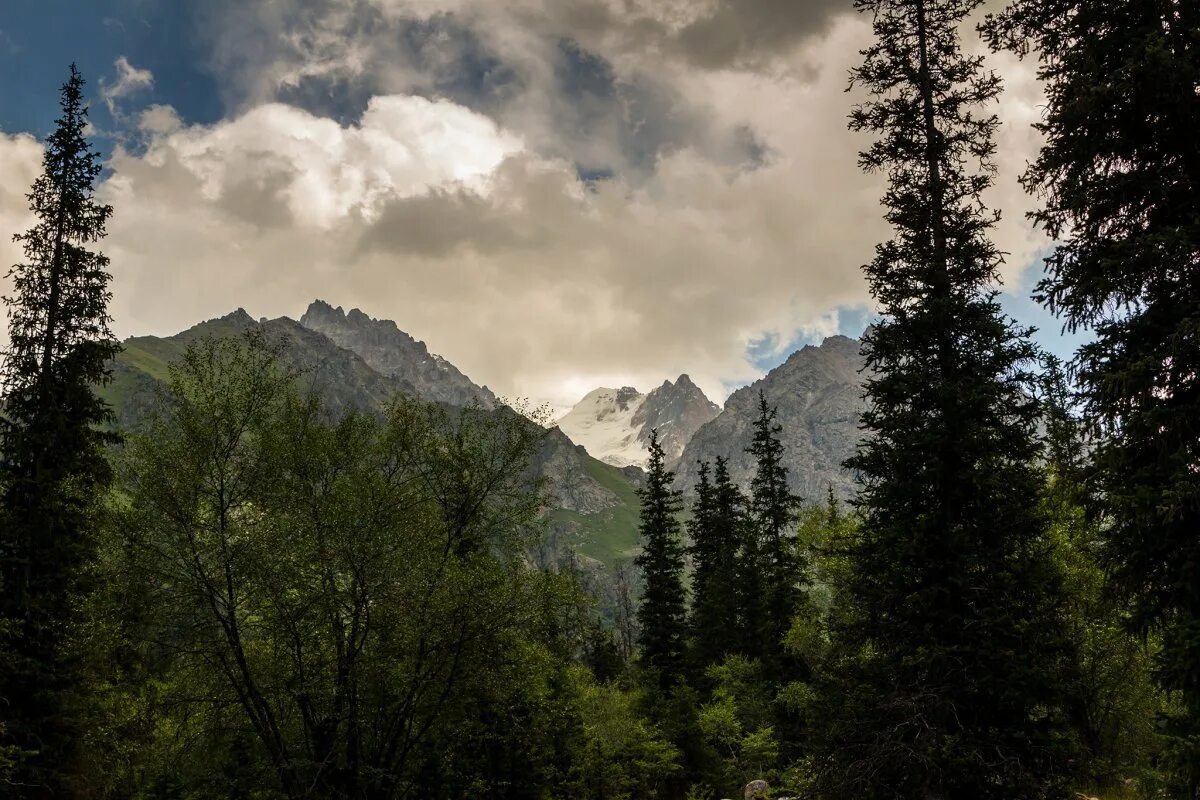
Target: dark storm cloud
(528,71)
(752,33)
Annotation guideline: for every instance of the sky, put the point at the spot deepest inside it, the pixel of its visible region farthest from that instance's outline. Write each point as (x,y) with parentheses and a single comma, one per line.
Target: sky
(555,195)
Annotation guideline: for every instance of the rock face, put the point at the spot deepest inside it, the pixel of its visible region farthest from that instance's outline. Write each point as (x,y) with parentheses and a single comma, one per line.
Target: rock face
(564,464)
(614,425)
(818,392)
(677,410)
(392,352)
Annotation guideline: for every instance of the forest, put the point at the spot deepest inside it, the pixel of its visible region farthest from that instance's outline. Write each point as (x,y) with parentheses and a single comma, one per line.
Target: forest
(256,594)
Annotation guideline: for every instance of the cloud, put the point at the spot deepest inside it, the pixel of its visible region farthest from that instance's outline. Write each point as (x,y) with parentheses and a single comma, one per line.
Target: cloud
(277,159)
(494,252)
(159,119)
(593,81)
(554,196)
(130,80)
(753,34)
(20,164)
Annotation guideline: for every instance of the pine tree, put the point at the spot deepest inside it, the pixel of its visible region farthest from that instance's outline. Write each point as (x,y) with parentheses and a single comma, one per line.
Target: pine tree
(662,613)
(1119,176)
(773,510)
(953,648)
(716,529)
(52,465)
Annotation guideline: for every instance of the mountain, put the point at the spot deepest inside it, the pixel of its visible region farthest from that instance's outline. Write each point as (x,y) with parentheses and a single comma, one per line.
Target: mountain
(392,352)
(614,425)
(593,509)
(818,392)
(339,376)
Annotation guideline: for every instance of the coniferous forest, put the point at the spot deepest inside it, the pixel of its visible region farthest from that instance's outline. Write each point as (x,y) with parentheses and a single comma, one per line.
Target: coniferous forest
(257,592)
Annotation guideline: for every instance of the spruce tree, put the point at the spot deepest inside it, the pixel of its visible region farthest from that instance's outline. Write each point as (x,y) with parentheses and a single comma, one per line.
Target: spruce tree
(716,529)
(1119,179)
(662,612)
(773,510)
(952,644)
(52,465)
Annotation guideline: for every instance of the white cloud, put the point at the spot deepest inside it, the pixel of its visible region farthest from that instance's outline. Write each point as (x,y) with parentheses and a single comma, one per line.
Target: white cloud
(129,80)
(159,119)
(20,163)
(280,158)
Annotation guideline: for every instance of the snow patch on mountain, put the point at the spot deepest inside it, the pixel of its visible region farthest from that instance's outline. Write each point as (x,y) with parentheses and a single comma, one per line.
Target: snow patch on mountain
(603,423)
(614,425)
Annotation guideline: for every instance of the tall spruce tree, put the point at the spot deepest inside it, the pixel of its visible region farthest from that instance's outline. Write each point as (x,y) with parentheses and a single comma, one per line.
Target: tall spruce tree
(52,465)
(716,527)
(952,678)
(773,510)
(662,613)
(1119,176)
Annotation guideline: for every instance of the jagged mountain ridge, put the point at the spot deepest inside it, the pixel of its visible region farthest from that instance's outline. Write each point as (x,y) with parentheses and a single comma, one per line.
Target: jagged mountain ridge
(614,425)
(593,508)
(394,353)
(819,395)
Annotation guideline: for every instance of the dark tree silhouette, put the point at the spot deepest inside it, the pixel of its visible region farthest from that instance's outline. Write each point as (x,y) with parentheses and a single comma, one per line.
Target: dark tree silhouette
(662,613)
(52,465)
(1119,177)
(773,510)
(953,690)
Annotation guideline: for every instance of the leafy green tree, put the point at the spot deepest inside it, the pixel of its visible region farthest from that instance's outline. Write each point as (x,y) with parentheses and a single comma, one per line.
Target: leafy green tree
(1119,177)
(773,513)
(717,526)
(738,722)
(1110,700)
(662,613)
(952,648)
(626,755)
(52,464)
(343,592)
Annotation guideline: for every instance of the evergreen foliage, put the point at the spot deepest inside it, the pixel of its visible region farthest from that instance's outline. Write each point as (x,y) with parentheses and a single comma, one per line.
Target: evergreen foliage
(773,513)
(662,613)
(1119,177)
(52,463)
(953,648)
(1110,701)
(717,526)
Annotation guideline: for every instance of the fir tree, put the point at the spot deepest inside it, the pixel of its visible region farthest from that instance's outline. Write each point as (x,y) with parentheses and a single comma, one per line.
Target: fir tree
(52,465)
(773,510)
(716,529)
(953,645)
(662,613)
(1119,176)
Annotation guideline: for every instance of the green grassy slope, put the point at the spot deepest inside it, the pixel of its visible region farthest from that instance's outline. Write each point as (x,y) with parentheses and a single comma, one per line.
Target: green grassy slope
(608,535)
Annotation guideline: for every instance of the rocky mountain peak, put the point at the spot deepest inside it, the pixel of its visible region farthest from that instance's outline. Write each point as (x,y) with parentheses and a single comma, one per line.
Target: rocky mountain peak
(392,352)
(819,396)
(615,424)
(676,410)
(239,318)
(625,396)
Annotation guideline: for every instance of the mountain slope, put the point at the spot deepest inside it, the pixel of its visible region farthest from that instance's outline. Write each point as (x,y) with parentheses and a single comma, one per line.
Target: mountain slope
(392,352)
(593,509)
(818,392)
(614,425)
